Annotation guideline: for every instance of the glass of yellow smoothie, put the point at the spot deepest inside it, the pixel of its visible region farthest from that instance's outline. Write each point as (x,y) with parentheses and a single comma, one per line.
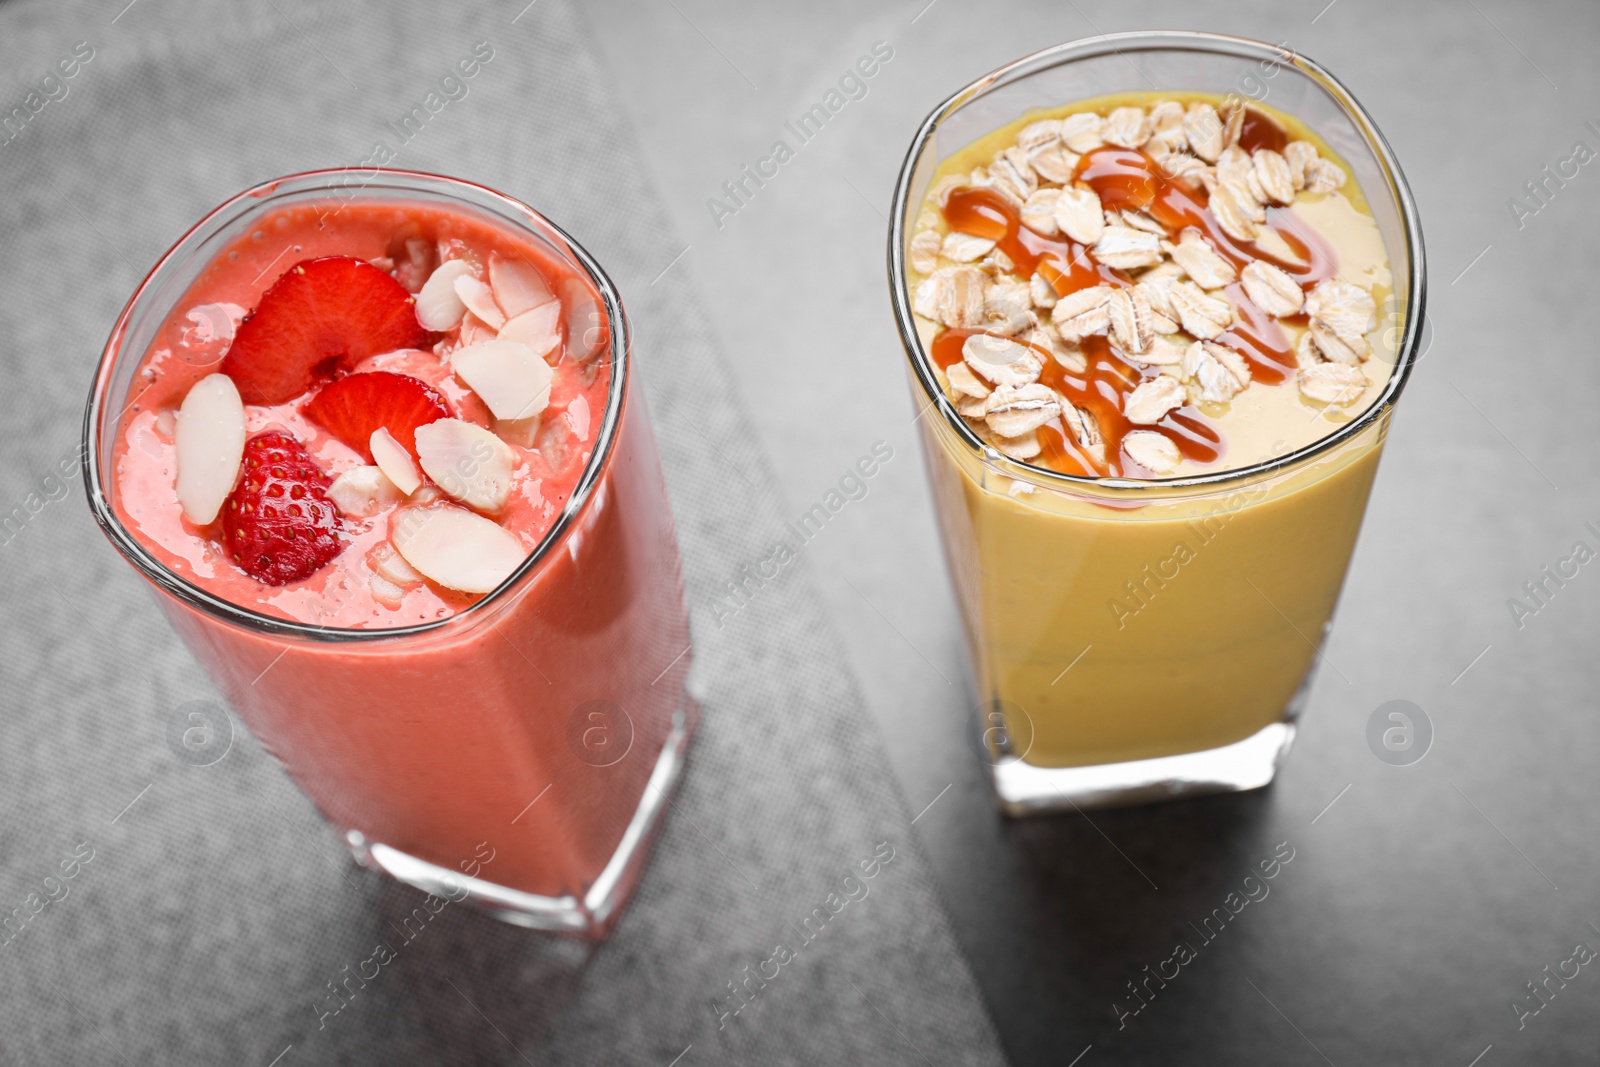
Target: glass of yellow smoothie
(1159,293)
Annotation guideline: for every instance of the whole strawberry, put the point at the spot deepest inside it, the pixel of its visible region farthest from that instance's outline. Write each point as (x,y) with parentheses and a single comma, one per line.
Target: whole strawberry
(278,524)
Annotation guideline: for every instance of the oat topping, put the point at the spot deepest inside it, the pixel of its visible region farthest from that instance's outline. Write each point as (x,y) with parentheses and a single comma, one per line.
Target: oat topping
(1164,301)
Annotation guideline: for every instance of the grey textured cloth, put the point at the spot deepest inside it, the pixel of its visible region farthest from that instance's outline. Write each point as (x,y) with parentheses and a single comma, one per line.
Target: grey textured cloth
(214,907)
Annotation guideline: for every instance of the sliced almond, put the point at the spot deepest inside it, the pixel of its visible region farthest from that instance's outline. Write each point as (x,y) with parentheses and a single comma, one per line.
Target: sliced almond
(1083,132)
(952,296)
(1130,316)
(1152,451)
(924,251)
(385,592)
(1001,361)
(439,306)
(208,446)
(965,248)
(508,376)
(1082,313)
(1125,248)
(518,286)
(455,547)
(1080,216)
(1272,172)
(1332,383)
(1015,410)
(1038,212)
(1200,261)
(1271,290)
(1127,127)
(394,461)
(468,462)
(539,329)
(362,492)
(480,301)
(392,567)
(1152,399)
(1221,373)
(1203,315)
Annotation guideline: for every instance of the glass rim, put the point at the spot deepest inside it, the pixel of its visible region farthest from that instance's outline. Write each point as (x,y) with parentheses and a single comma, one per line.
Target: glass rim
(311,182)
(1150,41)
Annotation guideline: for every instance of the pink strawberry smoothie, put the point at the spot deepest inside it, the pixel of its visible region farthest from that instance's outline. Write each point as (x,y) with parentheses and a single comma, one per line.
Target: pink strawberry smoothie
(479,736)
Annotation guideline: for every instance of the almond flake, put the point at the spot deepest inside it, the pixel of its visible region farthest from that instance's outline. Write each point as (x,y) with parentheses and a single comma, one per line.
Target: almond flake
(1332,383)
(1232,207)
(1204,129)
(480,301)
(1323,176)
(508,376)
(1080,216)
(1130,316)
(965,248)
(392,567)
(1038,212)
(1001,361)
(1039,134)
(362,492)
(1018,410)
(1127,127)
(539,329)
(925,248)
(952,296)
(1203,315)
(208,446)
(1082,313)
(1200,261)
(468,462)
(1346,308)
(1221,373)
(1151,400)
(455,547)
(1152,451)
(517,285)
(1083,132)
(1272,173)
(1041,291)
(964,383)
(1299,154)
(439,306)
(1124,248)
(385,592)
(1271,290)
(394,461)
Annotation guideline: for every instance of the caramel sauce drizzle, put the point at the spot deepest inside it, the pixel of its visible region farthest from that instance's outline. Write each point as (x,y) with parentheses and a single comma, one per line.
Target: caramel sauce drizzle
(1128,179)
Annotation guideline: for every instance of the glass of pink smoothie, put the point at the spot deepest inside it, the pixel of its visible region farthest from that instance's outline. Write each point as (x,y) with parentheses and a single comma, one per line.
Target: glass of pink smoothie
(464,633)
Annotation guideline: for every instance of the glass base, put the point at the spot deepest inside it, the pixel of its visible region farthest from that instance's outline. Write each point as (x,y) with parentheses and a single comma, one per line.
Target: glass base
(1024,789)
(590,915)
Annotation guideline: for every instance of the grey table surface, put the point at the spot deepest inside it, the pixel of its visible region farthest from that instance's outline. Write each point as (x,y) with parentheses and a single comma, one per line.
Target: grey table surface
(1424,899)
(1421,899)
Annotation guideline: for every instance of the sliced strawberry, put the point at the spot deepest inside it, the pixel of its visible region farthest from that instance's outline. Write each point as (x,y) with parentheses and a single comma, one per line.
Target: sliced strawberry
(352,407)
(278,524)
(323,316)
